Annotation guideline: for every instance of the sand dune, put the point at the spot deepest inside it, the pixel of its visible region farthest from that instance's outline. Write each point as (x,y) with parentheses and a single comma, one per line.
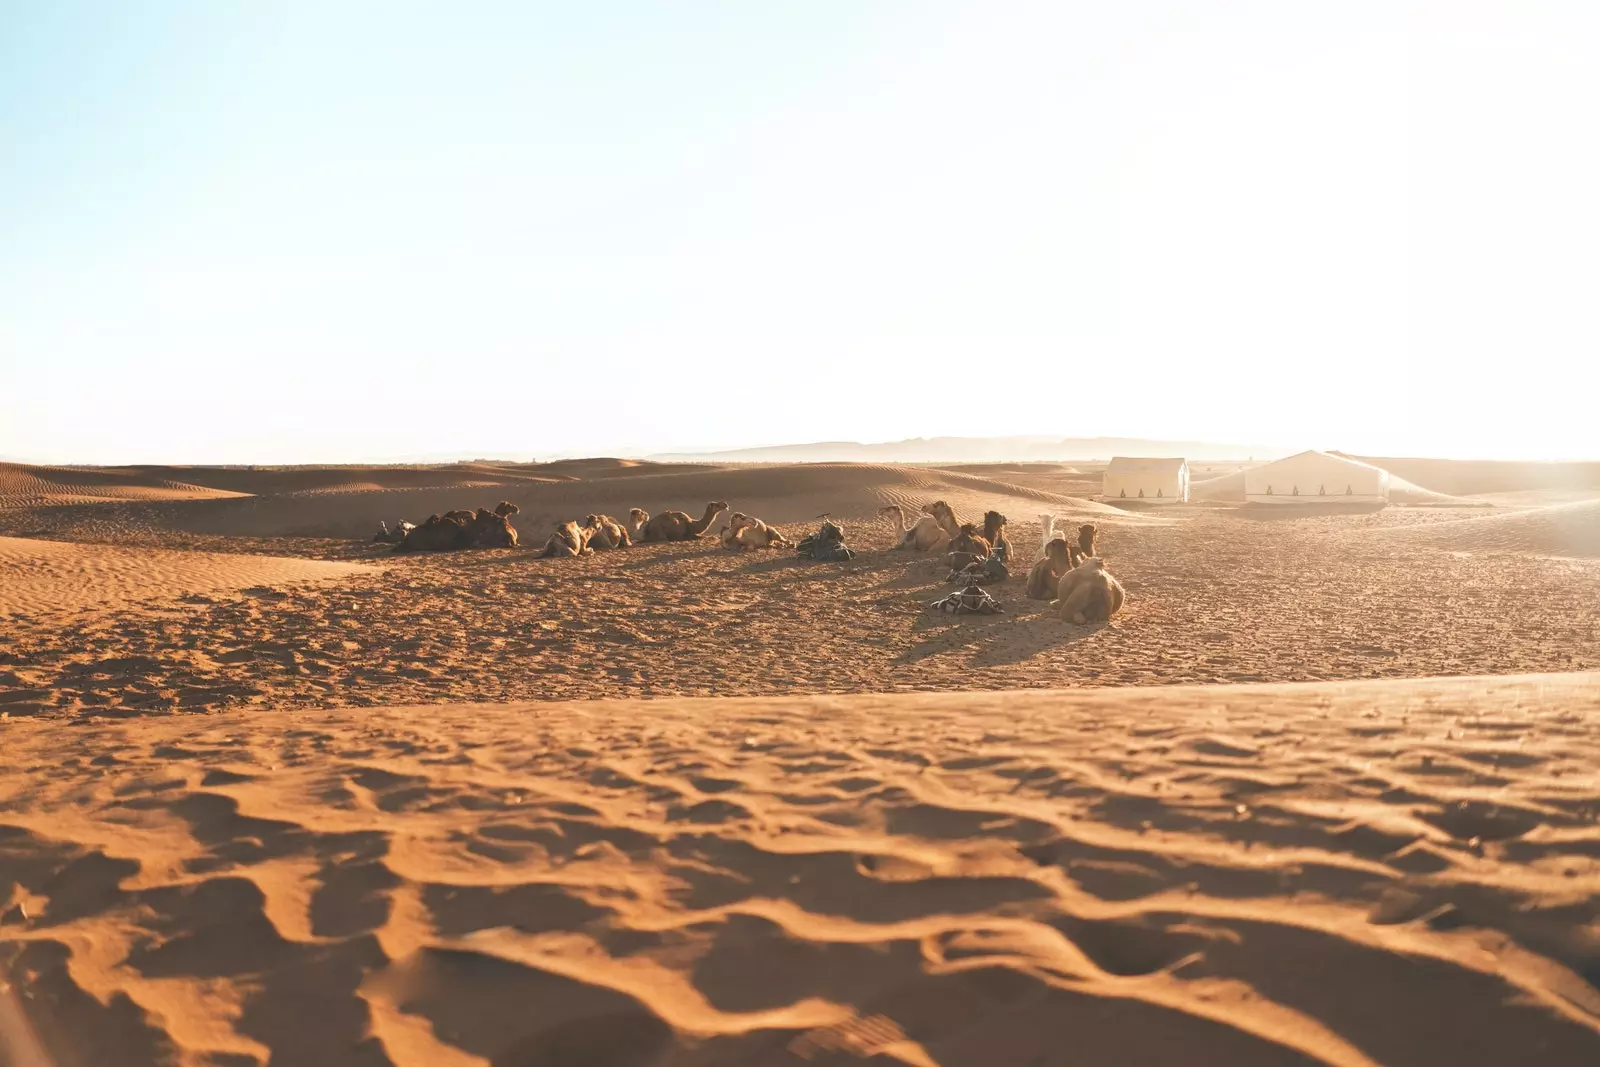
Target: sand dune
(26,486)
(792,494)
(1345,874)
(32,486)
(1564,530)
(1474,477)
(40,577)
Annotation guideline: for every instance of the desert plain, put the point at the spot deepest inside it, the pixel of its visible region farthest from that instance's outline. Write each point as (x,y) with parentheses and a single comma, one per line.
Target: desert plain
(1326,792)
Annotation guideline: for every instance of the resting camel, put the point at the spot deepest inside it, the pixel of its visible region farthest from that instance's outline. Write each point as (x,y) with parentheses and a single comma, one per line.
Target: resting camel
(489,528)
(637,517)
(1085,545)
(934,530)
(994,532)
(439,534)
(1044,579)
(747,531)
(968,540)
(493,529)
(676,526)
(606,532)
(568,541)
(1088,593)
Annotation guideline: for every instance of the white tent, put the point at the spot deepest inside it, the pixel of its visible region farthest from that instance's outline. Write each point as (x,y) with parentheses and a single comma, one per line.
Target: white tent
(1316,478)
(1155,481)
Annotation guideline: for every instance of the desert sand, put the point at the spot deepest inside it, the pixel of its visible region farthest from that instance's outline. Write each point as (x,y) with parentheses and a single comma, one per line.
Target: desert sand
(1339,873)
(426,818)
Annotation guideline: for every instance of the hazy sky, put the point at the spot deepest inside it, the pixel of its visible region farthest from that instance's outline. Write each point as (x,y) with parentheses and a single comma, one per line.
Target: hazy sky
(299,231)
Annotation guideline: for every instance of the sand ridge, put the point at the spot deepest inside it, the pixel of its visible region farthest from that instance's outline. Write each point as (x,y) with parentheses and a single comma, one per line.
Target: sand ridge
(46,577)
(1570,529)
(349,503)
(1350,874)
(25,486)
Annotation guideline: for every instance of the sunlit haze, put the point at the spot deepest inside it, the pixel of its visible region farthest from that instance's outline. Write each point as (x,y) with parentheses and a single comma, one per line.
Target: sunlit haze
(302,232)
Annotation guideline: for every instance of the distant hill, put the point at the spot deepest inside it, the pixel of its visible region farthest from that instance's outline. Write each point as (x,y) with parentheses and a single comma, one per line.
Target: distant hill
(982,450)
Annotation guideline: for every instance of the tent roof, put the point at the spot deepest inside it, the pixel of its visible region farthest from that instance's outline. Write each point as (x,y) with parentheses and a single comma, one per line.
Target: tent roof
(1322,457)
(1140,465)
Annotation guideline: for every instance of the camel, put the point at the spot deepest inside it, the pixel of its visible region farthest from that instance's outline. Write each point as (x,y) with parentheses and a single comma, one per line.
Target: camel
(493,529)
(438,534)
(569,540)
(676,526)
(1086,536)
(967,540)
(606,532)
(1088,593)
(933,531)
(747,531)
(1045,578)
(637,517)
(489,528)
(994,532)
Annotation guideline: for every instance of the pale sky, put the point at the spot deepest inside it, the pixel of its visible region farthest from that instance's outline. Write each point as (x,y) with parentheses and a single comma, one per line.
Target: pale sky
(321,231)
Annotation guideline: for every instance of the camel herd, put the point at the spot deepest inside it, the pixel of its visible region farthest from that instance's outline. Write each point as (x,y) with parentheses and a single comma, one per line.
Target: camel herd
(1071,573)
(455,529)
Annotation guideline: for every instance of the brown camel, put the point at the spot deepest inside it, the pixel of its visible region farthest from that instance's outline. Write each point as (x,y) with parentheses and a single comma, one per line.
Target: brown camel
(747,531)
(568,541)
(933,531)
(637,517)
(493,529)
(994,532)
(676,526)
(1089,593)
(1045,577)
(606,532)
(1086,538)
(967,540)
(438,534)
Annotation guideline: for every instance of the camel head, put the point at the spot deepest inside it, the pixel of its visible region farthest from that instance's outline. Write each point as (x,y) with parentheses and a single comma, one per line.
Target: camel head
(638,515)
(506,507)
(938,509)
(591,520)
(993,523)
(1056,551)
(1094,563)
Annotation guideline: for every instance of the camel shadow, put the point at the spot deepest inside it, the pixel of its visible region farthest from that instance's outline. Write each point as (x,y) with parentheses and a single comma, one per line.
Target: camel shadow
(788,561)
(910,572)
(662,559)
(1026,630)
